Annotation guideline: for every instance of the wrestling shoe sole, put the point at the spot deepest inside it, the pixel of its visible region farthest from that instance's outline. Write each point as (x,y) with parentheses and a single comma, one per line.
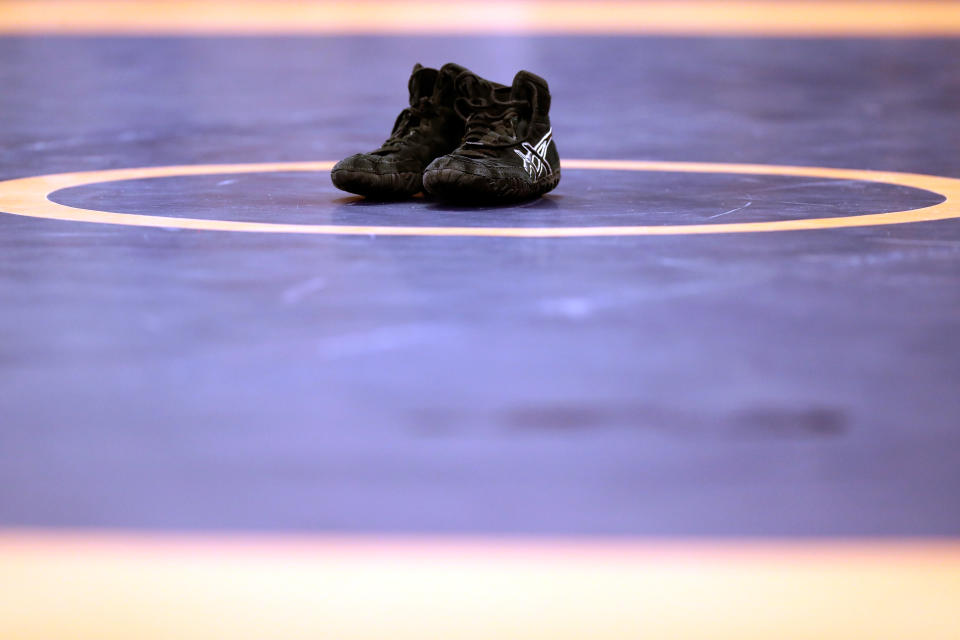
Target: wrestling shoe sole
(386,186)
(459,186)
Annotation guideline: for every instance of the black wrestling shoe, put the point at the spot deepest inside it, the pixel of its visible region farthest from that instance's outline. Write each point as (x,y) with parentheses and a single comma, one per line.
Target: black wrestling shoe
(428,128)
(507,153)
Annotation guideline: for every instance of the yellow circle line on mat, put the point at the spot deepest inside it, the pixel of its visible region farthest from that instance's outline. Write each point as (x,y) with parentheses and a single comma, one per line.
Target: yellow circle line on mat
(30,197)
(247,587)
(783,18)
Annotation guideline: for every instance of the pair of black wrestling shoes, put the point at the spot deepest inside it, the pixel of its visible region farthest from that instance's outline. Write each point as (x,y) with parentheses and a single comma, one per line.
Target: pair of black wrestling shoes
(462,138)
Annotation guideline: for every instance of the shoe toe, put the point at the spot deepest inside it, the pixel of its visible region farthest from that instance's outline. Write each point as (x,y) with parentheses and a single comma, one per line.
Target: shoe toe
(451,164)
(459,178)
(360,162)
(374,176)
(466,179)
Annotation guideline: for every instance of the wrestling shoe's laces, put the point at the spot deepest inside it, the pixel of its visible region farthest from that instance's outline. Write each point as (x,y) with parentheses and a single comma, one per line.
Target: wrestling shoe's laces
(485,116)
(407,122)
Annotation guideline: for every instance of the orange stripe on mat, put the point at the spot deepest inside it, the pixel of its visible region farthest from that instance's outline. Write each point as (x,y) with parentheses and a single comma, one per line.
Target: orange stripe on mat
(691,17)
(146,586)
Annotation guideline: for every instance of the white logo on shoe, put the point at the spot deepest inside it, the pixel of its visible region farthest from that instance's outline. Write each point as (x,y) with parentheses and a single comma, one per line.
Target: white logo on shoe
(535,159)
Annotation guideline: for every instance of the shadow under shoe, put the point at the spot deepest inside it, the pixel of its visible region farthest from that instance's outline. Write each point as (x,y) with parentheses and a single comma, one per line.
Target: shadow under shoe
(428,128)
(507,153)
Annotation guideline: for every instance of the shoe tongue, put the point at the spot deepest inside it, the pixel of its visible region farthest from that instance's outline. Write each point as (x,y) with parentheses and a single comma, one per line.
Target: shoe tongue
(532,89)
(473,87)
(444,89)
(422,82)
(453,70)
